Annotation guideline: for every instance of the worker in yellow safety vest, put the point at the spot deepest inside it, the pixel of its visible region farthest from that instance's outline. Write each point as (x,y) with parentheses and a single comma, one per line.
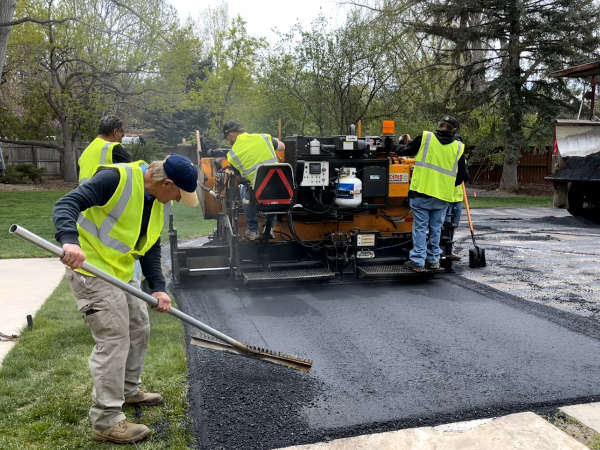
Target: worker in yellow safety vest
(106,148)
(248,151)
(110,221)
(439,168)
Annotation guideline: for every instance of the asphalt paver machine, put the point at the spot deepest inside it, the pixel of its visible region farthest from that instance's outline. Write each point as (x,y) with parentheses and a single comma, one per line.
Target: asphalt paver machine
(342,211)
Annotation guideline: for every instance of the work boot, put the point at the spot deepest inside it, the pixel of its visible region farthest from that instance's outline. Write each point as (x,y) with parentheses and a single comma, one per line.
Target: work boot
(144,398)
(251,235)
(122,433)
(270,235)
(453,257)
(410,264)
(432,265)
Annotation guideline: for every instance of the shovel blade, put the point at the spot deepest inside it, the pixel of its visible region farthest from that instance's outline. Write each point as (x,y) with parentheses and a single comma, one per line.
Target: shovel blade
(477,257)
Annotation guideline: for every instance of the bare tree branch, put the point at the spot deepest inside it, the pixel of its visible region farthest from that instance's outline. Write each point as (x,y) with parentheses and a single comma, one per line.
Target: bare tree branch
(44,144)
(38,21)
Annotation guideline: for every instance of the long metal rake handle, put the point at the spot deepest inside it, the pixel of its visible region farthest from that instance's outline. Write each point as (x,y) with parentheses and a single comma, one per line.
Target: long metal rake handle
(44,244)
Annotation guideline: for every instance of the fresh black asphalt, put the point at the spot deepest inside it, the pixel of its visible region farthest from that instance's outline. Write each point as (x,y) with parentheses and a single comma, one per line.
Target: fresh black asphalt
(386,356)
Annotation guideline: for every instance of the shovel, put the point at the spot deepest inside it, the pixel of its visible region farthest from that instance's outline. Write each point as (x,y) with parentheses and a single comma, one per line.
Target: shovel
(225,342)
(476,254)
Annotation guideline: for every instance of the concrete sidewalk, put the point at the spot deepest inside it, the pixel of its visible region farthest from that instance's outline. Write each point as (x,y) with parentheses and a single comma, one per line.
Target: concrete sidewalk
(25,284)
(522,431)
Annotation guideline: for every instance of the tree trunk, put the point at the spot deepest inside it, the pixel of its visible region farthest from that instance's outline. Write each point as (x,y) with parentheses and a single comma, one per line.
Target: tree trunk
(7,9)
(514,102)
(509,181)
(70,155)
(476,58)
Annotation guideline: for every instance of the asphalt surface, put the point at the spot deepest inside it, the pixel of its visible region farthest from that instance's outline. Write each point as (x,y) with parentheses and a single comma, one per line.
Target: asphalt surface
(543,255)
(386,356)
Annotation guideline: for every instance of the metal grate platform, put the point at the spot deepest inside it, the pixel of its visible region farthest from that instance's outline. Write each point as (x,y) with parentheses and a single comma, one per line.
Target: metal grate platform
(288,275)
(386,271)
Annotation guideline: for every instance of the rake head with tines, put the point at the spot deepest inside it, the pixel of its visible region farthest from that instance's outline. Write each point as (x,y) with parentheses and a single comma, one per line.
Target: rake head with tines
(249,351)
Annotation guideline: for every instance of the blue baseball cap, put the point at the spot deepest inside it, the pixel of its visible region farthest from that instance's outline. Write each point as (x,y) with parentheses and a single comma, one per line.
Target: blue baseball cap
(184,174)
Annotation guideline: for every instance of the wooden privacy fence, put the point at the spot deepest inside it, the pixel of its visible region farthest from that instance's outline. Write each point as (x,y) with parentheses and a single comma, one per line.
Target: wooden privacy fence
(40,157)
(533,167)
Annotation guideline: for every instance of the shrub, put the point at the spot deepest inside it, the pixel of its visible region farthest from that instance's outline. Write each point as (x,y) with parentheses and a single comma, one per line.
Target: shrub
(148,150)
(22,174)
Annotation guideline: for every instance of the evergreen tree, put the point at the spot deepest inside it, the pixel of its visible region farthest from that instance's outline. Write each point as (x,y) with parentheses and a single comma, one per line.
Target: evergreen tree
(502,51)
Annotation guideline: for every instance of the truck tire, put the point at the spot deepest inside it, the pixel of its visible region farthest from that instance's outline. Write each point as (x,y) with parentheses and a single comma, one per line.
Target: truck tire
(560,197)
(583,200)
(576,199)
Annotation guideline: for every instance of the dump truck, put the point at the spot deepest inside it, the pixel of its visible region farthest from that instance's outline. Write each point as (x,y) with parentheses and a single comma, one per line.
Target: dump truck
(575,172)
(342,214)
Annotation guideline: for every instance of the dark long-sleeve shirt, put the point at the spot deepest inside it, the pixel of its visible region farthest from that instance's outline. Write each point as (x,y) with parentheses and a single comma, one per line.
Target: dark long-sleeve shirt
(445,137)
(96,192)
(120,155)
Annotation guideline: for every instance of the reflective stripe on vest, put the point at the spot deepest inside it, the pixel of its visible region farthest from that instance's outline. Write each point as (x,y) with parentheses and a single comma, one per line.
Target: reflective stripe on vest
(93,157)
(102,232)
(423,163)
(246,172)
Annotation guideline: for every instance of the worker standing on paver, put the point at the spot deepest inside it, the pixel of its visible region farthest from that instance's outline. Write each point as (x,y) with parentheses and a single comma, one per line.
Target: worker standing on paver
(439,167)
(105,149)
(247,152)
(110,221)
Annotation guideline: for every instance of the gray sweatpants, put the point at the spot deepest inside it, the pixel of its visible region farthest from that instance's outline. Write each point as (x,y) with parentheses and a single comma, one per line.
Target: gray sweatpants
(121,329)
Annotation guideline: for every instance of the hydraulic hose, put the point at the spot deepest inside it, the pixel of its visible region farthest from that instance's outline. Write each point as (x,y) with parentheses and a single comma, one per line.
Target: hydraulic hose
(295,235)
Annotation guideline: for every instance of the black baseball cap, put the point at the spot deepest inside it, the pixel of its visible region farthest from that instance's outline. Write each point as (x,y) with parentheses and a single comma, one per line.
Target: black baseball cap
(232,126)
(184,174)
(450,121)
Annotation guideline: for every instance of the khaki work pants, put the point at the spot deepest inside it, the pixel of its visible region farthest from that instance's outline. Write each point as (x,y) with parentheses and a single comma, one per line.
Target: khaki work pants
(121,329)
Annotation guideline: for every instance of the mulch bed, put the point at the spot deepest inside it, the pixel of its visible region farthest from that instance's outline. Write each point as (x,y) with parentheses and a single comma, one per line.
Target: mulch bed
(46,185)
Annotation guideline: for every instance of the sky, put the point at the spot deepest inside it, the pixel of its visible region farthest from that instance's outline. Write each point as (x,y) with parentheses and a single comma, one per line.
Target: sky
(262,15)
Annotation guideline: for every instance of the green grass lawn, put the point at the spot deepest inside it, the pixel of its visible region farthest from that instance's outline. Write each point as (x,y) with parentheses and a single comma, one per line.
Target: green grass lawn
(510,202)
(189,223)
(32,210)
(45,385)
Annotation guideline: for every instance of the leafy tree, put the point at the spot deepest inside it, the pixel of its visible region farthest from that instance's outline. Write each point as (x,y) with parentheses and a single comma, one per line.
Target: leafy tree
(227,86)
(336,75)
(94,64)
(166,107)
(369,69)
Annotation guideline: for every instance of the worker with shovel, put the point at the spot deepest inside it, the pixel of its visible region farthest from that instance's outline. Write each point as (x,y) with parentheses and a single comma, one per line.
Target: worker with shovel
(439,167)
(110,221)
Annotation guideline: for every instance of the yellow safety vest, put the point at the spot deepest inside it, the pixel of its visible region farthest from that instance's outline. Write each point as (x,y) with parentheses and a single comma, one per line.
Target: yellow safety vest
(458,194)
(109,235)
(249,151)
(436,166)
(97,153)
